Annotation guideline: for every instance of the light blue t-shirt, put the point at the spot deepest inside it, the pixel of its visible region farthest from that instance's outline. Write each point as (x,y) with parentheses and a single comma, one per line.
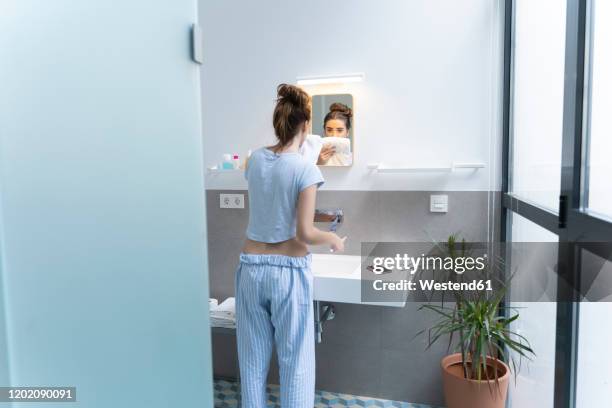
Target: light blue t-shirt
(275,182)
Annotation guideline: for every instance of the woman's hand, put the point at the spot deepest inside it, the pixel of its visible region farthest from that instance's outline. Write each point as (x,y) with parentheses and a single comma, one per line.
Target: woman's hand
(338,244)
(327,151)
(306,232)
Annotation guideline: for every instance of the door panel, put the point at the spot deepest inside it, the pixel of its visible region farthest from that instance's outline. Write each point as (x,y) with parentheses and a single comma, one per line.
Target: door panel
(102,207)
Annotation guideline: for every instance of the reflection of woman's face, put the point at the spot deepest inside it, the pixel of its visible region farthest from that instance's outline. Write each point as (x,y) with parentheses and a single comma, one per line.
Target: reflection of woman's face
(336,127)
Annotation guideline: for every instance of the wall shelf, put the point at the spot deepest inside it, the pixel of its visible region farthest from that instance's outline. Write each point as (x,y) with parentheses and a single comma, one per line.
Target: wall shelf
(381,168)
(216,170)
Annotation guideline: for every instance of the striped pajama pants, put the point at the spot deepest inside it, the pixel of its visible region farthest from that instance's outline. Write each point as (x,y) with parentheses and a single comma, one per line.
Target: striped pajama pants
(274,305)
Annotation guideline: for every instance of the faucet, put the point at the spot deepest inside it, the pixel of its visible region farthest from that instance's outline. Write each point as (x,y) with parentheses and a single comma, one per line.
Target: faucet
(335,216)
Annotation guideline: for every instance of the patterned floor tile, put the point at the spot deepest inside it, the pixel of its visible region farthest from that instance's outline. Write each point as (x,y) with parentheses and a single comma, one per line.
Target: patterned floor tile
(227,395)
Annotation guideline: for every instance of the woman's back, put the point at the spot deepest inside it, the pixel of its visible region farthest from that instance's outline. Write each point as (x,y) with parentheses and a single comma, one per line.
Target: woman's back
(275,182)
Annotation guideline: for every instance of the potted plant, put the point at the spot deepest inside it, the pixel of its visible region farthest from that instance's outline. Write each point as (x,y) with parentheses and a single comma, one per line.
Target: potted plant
(478,326)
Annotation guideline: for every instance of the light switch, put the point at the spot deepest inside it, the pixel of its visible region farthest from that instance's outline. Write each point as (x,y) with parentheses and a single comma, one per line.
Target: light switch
(438,203)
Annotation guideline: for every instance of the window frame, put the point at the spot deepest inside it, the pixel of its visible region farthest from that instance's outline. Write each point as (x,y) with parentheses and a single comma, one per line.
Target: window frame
(573,223)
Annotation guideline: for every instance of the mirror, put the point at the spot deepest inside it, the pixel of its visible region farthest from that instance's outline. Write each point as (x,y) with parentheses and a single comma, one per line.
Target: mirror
(333,122)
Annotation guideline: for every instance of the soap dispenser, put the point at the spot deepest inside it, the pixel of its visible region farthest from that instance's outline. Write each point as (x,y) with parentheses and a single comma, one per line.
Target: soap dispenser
(236,161)
(227,163)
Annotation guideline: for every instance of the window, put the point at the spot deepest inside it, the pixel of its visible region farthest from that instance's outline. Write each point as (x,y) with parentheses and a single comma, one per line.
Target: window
(537,107)
(536,379)
(558,142)
(598,177)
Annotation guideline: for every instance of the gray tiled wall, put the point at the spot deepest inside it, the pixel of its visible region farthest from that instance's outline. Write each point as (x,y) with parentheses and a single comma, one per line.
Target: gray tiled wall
(366,350)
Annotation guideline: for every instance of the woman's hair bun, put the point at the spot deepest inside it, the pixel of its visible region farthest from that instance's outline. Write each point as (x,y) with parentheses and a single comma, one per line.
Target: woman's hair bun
(292,93)
(291,112)
(341,108)
(340,111)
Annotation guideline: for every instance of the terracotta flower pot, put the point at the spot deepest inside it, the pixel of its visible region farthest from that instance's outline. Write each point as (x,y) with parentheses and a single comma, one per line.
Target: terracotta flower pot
(460,392)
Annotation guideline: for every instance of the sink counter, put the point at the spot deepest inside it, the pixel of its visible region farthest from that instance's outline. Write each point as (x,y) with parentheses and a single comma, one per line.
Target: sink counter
(337,278)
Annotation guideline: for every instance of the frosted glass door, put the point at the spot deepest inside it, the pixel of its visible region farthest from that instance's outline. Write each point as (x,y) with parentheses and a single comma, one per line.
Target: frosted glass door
(101,206)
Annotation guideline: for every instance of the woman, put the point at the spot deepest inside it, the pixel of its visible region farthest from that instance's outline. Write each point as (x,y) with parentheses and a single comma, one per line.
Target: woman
(273,282)
(336,150)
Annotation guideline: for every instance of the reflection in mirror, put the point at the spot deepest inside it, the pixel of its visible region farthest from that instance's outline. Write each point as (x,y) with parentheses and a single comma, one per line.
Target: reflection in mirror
(332,121)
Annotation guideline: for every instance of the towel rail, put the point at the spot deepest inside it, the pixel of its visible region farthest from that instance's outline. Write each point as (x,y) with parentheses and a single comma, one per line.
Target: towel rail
(381,168)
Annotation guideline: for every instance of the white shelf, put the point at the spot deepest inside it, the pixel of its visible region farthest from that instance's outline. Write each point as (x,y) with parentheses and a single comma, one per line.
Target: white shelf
(381,168)
(216,170)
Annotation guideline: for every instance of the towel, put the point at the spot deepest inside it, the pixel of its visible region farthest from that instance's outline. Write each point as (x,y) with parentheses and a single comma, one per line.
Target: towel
(226,308)
(311,148)
(224,314)
(343,155)
(342,144)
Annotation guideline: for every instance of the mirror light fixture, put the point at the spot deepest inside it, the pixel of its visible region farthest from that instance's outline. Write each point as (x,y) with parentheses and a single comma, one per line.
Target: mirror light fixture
(331,79)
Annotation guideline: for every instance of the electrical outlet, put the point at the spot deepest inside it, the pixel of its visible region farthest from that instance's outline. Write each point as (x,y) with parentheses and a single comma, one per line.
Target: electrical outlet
(231,200)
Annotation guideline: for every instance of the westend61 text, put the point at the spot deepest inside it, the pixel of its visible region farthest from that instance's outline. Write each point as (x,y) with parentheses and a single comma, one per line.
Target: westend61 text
(430,284)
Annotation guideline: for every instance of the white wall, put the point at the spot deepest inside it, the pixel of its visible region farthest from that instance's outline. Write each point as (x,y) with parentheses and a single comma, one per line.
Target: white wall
(431,94)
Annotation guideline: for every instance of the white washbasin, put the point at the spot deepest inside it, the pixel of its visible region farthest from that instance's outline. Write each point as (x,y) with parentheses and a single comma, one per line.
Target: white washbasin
(337,278)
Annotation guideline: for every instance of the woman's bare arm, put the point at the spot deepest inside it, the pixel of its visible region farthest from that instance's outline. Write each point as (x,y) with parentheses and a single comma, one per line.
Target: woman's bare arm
(306,231)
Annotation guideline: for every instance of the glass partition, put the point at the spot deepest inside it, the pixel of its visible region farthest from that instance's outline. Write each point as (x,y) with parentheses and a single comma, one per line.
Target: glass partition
(599,120)
(537,107)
